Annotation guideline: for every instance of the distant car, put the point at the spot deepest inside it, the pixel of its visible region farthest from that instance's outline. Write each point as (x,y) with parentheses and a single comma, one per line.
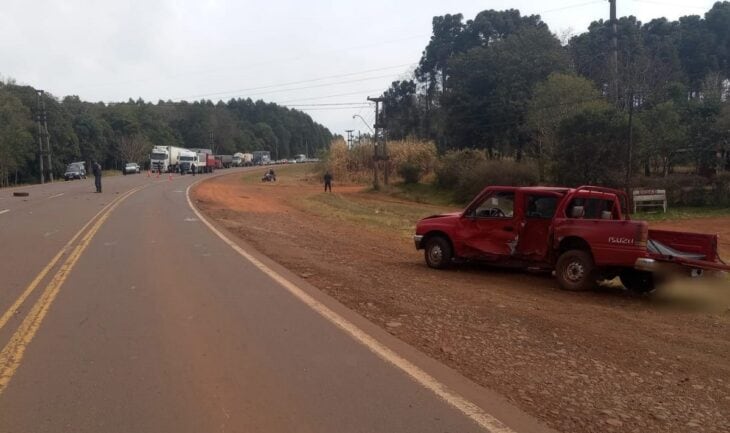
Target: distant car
(131,168)
(75,170)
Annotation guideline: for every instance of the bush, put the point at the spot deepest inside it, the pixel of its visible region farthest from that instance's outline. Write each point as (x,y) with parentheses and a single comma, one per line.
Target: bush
(410,172)
(493,173)
(356,164)
(690,190)
(454,164)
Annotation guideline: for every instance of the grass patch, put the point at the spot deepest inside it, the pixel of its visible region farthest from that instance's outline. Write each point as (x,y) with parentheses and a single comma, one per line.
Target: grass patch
(424,193)
(372,209)
(682,213)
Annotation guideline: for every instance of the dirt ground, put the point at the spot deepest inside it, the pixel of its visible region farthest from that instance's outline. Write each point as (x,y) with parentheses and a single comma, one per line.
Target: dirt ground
(599,361)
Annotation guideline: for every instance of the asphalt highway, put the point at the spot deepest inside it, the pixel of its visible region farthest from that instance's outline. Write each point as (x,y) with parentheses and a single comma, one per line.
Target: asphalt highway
(126,311)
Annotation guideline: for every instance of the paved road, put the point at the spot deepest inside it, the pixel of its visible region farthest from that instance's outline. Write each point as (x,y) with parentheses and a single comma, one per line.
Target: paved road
(124,312)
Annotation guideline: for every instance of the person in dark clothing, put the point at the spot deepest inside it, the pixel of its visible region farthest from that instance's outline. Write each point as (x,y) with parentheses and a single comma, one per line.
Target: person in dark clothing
(327,181)
(192,169)
(96,169)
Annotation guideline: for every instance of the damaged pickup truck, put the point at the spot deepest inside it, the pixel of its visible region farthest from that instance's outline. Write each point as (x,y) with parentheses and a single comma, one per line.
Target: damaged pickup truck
(582,234)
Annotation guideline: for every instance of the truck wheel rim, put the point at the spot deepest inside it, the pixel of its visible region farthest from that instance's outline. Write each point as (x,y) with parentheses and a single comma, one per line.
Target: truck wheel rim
(435,254)
(574,271)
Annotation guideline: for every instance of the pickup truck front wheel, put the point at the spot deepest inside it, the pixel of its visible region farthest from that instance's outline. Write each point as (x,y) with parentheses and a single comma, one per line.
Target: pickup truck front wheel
(575,270)
(438,253)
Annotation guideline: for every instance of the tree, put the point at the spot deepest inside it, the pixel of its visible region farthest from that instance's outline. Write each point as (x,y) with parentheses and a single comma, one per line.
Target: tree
(133,147)
(591,148)
(553,100)
(490,87)
(665,137)
(16,141)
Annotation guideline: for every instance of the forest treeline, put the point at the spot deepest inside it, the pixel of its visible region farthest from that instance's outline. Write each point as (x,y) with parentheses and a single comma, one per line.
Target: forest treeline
(504,83)
(122,132)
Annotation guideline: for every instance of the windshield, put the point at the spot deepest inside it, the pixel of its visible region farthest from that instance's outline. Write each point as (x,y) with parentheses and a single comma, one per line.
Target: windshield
(187,158)
(158,156)
(73,167)
(132,164)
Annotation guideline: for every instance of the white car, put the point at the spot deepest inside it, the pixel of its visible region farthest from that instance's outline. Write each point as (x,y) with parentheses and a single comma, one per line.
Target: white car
(131,168)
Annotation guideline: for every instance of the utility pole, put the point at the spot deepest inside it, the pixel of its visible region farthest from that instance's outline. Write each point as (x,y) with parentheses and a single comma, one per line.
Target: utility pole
(349,138)
(48,135)
(38,118)
(614,49)
(381,150)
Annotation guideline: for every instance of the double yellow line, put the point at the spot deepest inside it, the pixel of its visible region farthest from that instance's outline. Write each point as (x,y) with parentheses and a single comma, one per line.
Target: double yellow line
(12,354)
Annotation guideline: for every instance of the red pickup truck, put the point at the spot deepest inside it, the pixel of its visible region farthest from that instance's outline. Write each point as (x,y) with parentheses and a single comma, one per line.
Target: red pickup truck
(584,234)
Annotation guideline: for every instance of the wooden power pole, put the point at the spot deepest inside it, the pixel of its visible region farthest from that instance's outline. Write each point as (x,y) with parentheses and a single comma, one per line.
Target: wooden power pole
(381,151)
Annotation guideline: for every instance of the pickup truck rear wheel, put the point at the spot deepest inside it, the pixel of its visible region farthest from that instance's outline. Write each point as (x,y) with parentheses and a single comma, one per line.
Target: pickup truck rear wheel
(575,270)
(637,281)
(438,253)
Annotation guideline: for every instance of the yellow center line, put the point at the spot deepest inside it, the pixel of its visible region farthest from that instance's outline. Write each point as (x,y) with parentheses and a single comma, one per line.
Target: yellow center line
(12,354)
(42,274)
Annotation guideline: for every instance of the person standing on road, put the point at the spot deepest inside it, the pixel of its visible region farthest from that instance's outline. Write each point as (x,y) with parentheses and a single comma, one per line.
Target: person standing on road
(96,169)
(327,181)
(192,169)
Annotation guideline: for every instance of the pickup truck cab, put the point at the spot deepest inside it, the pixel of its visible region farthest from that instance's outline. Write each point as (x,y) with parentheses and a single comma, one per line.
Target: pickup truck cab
(583,234)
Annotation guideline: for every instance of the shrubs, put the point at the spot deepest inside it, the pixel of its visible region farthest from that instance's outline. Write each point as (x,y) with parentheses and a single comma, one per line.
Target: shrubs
(410,172)
(690,189)
(409,159)
(455,163)
(466,172)
(490,173)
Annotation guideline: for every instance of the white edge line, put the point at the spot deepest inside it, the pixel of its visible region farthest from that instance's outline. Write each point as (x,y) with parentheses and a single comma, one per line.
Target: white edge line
(471,410)
(4,211)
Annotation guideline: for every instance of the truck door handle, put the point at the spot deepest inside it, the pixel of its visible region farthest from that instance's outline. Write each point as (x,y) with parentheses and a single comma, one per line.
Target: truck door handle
(508,228)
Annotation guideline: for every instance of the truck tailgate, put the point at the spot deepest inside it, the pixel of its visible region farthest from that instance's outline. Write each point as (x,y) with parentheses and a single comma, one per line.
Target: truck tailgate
(696,250)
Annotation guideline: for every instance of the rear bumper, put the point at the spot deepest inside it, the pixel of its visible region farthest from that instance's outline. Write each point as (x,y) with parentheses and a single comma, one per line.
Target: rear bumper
(665,268)
(418,240)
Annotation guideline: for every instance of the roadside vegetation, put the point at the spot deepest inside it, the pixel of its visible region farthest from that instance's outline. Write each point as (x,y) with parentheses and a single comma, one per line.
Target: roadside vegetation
(503,101)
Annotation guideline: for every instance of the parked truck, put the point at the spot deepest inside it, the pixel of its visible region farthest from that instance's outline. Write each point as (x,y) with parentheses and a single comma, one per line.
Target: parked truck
(582,234)
(206,160)
(224,161)
(247,159)
(187,159)
(165,158)
(261,157)
(237,159)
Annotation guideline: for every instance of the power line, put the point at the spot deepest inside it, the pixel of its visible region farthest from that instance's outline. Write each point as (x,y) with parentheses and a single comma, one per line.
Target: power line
(330,108)
(329,104)
(316,85)
(577,5)
(663,3)
(297,82)
(362,92)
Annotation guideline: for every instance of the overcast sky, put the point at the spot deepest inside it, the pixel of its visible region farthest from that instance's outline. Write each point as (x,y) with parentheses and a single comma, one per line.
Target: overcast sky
(296,53)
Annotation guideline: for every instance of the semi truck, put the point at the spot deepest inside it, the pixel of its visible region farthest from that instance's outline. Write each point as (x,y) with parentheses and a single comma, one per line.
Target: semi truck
(582,235)
(165,158)
(224,161)
(261,157)
(187,159)
(247,159)
(237,159)
(206,160)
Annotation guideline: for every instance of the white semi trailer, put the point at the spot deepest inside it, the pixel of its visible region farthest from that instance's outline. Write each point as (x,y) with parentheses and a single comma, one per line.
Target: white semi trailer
(165,158)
